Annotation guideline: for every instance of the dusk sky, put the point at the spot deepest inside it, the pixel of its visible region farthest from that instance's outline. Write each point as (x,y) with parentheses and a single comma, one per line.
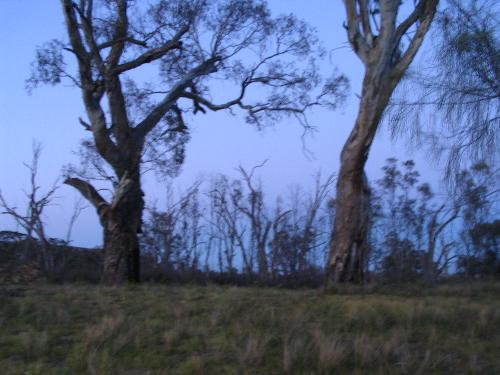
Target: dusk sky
(219,142)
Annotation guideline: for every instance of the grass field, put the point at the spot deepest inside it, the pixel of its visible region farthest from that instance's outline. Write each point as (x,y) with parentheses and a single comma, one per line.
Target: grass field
(162,329)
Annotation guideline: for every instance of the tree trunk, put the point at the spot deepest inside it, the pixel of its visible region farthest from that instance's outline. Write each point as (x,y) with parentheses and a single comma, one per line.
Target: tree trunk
(262,262)
(121,253)
(348,245)
(349,237)
(121,221)
(121,225)
(428,261)
(385,60)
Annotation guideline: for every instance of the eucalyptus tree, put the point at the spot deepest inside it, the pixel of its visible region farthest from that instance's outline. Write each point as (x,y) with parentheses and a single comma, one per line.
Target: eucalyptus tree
(385,35)
(209,56)
(415,229)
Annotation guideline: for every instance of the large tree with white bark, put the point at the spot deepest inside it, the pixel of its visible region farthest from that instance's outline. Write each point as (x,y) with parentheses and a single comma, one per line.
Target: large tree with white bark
(385,35)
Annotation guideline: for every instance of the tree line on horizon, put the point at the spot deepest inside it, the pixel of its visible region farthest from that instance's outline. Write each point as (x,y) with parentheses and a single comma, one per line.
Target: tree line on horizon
(230,231)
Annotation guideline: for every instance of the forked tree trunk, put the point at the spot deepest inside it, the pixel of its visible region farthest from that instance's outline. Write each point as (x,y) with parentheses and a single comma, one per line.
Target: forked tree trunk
(121,222)
(385,61)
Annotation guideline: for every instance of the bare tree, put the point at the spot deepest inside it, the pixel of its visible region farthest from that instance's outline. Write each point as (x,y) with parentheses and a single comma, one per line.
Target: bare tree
(255,211)
(32,220)
(299,234)
(78,207)
(190,225)
(193,43)
(280,240)
(378,33)
(281,243)
(310,227)
(227,230)
(172,236)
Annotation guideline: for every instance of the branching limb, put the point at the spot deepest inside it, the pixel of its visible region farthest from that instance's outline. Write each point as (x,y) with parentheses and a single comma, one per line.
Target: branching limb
(426,11)
(146,125)
(153,54)
(89,193)
(357,40)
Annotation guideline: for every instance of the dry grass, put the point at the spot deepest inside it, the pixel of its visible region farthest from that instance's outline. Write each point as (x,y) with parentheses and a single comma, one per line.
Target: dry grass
(158,329)
(332,351)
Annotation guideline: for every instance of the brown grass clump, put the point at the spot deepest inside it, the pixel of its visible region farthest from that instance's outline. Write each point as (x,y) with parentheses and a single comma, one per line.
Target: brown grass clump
(332,351)
(294,349)
(253,350)
(103,329)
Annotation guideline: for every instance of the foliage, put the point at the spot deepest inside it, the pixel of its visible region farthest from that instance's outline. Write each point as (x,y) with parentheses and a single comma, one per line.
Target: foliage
(451,105)
(417,233)
(173,60)
(144,68)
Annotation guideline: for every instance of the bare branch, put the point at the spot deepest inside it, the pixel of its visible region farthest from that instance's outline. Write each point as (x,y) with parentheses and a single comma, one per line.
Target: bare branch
(85,124)
(89,193)
(425,15)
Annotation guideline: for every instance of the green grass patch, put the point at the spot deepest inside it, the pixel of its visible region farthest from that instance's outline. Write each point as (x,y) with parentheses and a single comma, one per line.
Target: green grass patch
(169,329)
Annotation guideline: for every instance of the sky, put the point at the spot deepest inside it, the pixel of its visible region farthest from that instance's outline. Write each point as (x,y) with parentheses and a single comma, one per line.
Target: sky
(219,142)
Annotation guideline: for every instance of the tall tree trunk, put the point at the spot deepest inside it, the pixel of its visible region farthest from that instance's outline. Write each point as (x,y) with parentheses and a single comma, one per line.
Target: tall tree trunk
(262,263)
(349,238)
(428,263)
(262,260)
(120,253)
(121,225)
(121,221)
(385,60)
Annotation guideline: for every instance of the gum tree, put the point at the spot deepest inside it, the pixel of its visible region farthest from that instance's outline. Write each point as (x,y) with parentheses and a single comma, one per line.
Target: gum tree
(385,35)
(201,56)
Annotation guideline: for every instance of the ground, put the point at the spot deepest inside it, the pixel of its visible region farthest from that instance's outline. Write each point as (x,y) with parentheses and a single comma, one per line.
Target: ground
(172,329)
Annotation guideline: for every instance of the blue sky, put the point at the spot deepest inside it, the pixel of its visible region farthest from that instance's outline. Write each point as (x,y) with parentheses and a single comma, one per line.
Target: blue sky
(219,142)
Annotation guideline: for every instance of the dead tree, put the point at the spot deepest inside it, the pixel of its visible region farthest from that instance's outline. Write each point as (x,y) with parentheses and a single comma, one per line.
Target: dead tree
(78,207)
(386,42)
(260,224)
(32,220)
(192,43)
(227,229)
(309,228)
(172,236)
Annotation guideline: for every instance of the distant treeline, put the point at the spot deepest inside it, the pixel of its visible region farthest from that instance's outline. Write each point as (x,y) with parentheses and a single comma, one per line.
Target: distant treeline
(229,231)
